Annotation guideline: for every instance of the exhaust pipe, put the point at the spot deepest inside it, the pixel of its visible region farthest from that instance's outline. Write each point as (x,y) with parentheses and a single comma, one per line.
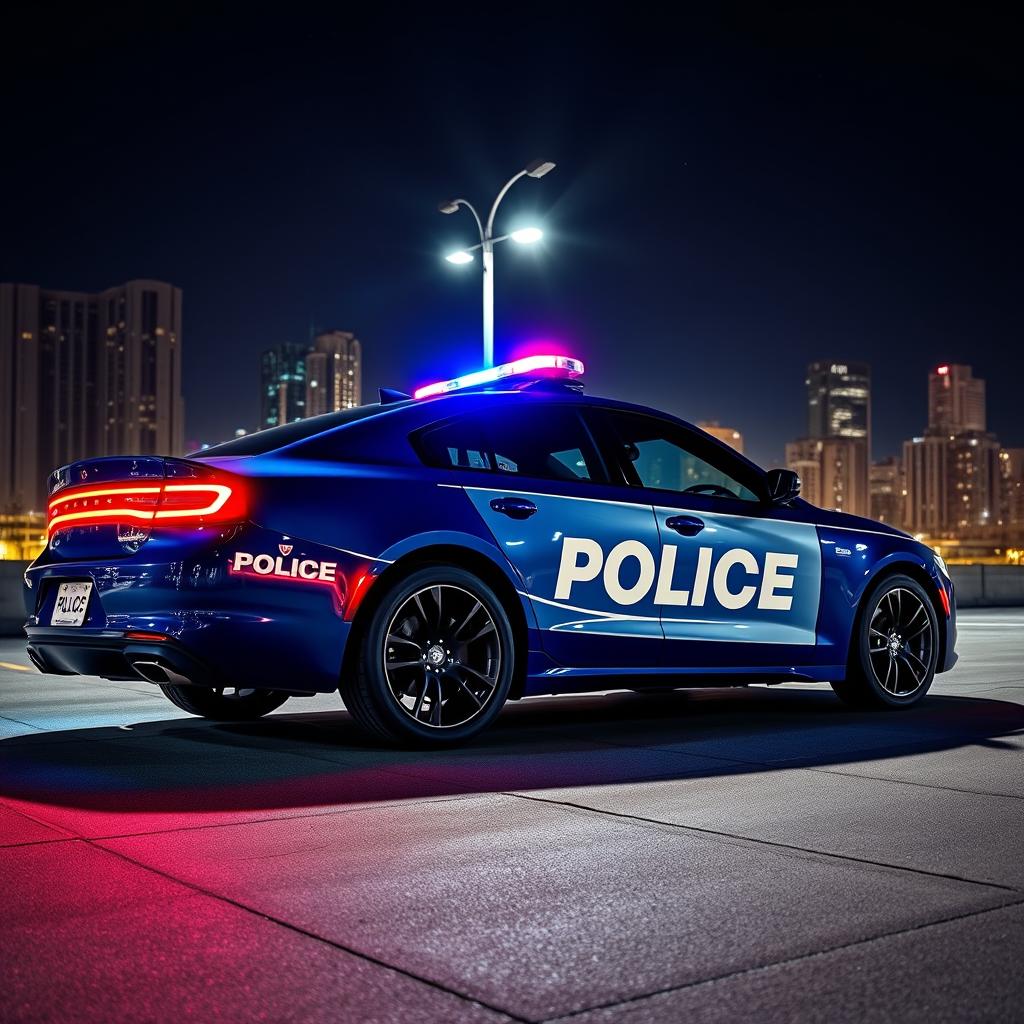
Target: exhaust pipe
(155,672)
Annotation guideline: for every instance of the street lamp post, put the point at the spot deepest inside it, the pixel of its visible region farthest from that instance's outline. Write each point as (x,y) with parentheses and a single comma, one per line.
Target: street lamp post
(535,169)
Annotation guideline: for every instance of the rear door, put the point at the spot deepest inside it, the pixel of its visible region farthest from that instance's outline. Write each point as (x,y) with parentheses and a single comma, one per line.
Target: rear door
(586,554)
(731,571)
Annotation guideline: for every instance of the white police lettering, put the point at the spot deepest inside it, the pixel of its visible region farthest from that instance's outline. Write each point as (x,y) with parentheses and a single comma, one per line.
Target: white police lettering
(774,580)
(570,571)
(290,568)
(736,579)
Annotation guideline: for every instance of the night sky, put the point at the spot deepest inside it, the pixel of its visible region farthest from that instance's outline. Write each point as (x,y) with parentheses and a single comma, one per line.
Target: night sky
(736,194)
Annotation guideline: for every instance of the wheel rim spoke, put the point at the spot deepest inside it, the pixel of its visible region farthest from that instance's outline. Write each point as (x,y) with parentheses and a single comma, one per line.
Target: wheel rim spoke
(910,669)
(395,638)
(479,675)
(436,592)
(465,622)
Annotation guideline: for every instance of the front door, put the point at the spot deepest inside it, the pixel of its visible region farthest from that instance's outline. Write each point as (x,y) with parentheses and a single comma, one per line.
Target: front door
(730,571)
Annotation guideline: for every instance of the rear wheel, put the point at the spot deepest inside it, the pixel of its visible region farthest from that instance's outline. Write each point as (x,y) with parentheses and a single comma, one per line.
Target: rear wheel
(436,660)
(226,704)
(895,650)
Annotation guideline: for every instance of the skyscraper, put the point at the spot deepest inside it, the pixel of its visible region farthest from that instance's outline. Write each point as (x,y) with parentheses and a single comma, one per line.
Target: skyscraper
(282,385)
(953,471)
(832,472)
(1011,463)
(85,375)
(887,491)
(839,400)
(333,373)
(838,437)
(956,399)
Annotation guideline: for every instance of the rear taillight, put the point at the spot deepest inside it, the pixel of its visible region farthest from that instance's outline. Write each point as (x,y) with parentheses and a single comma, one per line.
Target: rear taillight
(149,505)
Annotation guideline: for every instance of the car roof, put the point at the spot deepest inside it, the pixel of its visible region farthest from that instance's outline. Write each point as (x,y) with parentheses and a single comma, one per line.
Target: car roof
(370,431)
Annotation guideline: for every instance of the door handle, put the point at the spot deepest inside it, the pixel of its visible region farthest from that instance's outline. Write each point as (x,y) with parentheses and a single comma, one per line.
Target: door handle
(514,508)
(688,526)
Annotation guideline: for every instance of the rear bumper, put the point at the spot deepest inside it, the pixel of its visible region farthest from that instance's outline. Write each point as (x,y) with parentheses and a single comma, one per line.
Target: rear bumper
(112,655)
(219,628)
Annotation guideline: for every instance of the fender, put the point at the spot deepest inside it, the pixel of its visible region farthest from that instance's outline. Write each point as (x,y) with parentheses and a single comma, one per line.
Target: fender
(455,538)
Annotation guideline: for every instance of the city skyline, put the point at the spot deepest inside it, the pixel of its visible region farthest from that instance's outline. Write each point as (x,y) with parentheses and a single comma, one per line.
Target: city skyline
(842,186)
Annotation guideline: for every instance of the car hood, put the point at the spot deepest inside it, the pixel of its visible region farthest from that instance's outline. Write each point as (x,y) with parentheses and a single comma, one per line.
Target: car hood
(844,520)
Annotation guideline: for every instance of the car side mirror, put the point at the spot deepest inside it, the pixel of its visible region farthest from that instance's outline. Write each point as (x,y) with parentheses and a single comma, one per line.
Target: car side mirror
(783,486)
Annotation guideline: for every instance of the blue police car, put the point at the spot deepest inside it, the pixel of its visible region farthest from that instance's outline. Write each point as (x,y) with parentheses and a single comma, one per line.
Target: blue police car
(489,538)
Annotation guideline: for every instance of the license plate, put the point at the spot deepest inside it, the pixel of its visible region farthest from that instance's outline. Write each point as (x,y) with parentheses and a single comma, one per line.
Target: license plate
(72,602)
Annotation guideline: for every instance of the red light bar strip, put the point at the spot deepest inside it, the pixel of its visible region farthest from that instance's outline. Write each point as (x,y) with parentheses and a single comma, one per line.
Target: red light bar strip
(564,366)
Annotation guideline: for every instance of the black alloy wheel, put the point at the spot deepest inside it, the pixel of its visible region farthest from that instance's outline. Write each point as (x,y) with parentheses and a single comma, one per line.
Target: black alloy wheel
(436,660)
(895,650)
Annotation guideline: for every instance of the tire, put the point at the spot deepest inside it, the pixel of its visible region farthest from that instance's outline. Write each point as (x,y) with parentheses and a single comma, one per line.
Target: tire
(895,647)
(435,661)
(224,705)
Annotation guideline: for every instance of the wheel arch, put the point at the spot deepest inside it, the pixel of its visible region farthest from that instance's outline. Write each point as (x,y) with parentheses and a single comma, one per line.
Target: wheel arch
(901,566)
(445,554)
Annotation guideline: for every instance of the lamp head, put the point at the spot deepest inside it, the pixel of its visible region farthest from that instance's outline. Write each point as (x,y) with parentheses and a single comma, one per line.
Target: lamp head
(448,206)
(538,168)
(524,236)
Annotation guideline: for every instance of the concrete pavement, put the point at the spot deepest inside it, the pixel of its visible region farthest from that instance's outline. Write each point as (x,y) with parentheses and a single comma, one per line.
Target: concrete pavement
(713,855)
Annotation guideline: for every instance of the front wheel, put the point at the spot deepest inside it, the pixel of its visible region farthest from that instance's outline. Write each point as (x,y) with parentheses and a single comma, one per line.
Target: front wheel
(436,660)
(895,650)
(228,704)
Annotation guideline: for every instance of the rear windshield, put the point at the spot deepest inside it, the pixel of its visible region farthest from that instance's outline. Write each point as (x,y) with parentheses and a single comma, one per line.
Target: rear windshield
(270,440)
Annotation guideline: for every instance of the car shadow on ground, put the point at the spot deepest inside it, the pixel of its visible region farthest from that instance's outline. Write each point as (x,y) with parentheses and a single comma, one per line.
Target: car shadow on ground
(297,761)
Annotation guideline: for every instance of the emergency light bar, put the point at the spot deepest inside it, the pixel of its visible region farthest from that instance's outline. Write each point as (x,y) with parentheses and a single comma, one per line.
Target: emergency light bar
(541,366)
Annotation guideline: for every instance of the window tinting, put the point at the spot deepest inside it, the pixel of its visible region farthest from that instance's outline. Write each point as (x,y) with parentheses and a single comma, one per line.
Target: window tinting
(549,443)
(663,456)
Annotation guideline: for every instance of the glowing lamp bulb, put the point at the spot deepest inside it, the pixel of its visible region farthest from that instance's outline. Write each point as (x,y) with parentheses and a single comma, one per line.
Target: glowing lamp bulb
(459,257)
(524,236)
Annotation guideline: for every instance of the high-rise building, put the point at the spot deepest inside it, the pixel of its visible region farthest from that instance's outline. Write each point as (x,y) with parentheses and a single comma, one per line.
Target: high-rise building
(1011,464)
(283,384)
(729,435)
(888,491)
(333,373)
(953,472)
(956,399)
(839,400)
(838,438)
(953,482)
(832,471)
(85,375)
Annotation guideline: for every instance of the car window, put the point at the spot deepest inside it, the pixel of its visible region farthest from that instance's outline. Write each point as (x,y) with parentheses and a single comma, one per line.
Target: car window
(663,456)
(550,443)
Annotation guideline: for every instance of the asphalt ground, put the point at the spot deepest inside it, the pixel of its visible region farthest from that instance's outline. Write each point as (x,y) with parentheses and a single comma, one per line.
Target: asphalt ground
(720,855)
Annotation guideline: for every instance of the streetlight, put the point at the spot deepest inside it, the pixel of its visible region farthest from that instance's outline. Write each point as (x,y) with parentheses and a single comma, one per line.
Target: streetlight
(524,236)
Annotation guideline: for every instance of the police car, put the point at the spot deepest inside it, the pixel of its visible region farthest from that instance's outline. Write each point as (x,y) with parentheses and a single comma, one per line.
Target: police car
(489,538)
